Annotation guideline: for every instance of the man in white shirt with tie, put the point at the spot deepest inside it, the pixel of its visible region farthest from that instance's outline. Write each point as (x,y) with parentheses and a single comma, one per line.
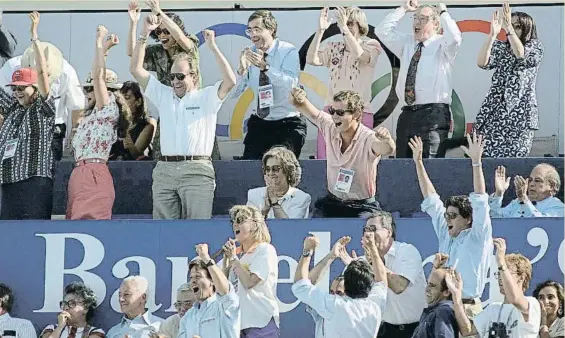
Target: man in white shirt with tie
(424,84)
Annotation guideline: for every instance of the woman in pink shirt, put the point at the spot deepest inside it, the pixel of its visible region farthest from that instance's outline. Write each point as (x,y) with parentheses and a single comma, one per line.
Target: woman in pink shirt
(351,62)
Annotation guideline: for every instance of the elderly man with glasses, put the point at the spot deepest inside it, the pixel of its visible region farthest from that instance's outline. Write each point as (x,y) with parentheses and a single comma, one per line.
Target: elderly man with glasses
(185,301)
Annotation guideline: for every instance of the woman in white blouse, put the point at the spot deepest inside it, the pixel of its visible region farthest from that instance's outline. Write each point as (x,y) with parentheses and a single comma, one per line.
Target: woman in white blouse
(253,272)
(280,198)
(550,296)
(78,304)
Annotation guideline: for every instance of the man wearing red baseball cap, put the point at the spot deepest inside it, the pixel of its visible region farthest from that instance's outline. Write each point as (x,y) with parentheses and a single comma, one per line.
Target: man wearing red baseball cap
(25,140)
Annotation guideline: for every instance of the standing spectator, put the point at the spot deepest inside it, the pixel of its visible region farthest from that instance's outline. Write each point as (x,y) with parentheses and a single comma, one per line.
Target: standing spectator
(509,114)
(270,68)
(216,298)
(462,224)
(185,301)
(8,42)
(535,196)
(550,296)
(353,154)
(134,143)
(358,313)
(137,321)
(517,316)
(280,198)
(26,173)
(254,273)
(9,326)
(351,62)
(78,305)
(424,92)
(91,187)
(184,178)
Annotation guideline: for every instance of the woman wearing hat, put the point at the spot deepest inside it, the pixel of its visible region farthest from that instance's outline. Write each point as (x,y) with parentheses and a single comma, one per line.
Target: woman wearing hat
(91,188)
(25,140)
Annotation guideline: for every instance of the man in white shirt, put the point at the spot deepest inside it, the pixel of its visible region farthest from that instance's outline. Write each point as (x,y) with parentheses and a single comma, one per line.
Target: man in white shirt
(12,327)
(185,301)
(424,84)
(517,317)
(216,312)
(535,196)
(358,313)
(137,321)
(184,178)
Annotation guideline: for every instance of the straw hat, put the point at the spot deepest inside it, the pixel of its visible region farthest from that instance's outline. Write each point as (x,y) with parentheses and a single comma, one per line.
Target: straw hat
(53,56)
(111,80)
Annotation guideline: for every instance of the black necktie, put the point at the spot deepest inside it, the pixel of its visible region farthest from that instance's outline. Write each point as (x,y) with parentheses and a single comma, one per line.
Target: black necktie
(72,332)
(263,81)
(409,90)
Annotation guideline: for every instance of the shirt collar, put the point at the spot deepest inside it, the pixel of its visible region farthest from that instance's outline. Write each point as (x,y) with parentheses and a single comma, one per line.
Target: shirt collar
(392,250)
(207,302)
(5,317)
(438,304)
(272,50)
(355,137)
(145,317)
(432,39)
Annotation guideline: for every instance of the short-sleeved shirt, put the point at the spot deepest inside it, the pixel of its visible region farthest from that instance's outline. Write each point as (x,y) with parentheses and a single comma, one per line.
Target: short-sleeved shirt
(295,203)
(508,316)
(158,60)
(30,130)
(81,332)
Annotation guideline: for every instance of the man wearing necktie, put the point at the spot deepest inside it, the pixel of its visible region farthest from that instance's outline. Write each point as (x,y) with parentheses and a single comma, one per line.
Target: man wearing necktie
(270,68)
(424,82)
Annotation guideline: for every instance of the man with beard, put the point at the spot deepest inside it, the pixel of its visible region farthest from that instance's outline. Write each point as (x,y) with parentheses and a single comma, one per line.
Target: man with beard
(270,68)
(215,313)
(185,301)
(425,91)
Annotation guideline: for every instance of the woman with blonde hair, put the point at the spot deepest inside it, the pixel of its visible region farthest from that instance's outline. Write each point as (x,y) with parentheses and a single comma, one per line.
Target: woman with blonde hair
(253,272)
(280,198)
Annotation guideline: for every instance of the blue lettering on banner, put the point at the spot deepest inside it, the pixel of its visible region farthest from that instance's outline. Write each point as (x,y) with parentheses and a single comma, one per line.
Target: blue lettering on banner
(40,257)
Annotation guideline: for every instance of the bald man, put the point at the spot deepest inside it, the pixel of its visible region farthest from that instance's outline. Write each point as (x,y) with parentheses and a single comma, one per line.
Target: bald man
(535,196)
(185,300)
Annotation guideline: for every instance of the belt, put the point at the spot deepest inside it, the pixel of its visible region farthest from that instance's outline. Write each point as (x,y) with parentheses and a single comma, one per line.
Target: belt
(415,107)
(181,158)
(90,160)
(367,200)
(469,301)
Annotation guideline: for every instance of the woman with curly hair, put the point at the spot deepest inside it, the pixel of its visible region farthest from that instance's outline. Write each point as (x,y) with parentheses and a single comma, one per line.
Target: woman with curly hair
(280,198)
(550,296)
(78,304)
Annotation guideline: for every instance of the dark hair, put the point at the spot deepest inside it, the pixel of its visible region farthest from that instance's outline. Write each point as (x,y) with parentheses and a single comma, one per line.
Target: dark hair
(6,298)
(559,288)
(386,219)
(125,118)
(463,205)
(269,20)
(176,19)
(358,279)
(443,284)
(529,31)
(135,89)
(87,294)
(200,265)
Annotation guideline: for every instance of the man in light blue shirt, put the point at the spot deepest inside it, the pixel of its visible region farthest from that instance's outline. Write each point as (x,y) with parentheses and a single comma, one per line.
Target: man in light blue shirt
(270,68)
(535,196)
(137,322)
(216,312)
(462,226)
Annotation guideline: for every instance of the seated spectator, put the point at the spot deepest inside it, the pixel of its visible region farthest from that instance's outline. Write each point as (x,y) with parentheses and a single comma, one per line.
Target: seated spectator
(78,305)
(137,321)
(357,314)
(21,328)
(535,196)
(185,301)
(280,198)
(353,152)
(517,316)
(550,296)
(9,42)
(134,143)
(216,299)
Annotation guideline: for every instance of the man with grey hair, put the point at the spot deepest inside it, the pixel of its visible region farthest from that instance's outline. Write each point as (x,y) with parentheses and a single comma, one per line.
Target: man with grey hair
(185,301)
(535,196)
(425,92)
(405,276)
(137,321)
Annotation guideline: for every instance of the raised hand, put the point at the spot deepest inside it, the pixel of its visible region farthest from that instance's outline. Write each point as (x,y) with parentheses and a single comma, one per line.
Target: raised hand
(297,96)
(521,186)
(501,182)
(154,5)
(63,319)
(341,17)
(111,41)
(417,147)
(134,11)
(311,243)
(475,149)
(243,63)
(496,23)
(454,283)
(500,245)
(411,5)
(255,59)
(383,134)
(345,258)
(324,22)
(440,259)
(210,37)
(202,252)
(34,16)
(151,22)
(369,241)
(339,245)
(507,18)
(101,32)
(230,249)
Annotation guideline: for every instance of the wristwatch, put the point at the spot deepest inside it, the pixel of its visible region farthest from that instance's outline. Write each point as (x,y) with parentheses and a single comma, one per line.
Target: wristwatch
(210,263)
(267,67)
(502,268)
(307,253)
(275,204)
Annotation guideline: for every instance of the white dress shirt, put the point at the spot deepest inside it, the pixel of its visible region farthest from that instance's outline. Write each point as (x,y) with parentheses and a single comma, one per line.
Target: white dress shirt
(139,327)
(23,327)
(433,77)
(188,124)
(344,316)
(510,316)
(295,203)
(549,207)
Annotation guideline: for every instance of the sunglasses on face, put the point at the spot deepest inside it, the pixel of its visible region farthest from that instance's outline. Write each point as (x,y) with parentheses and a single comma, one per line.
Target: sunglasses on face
(450,215)
(275,169)
(339,112)
(160,31)
(87,90)
(19,88)
(178,76)
(68,304)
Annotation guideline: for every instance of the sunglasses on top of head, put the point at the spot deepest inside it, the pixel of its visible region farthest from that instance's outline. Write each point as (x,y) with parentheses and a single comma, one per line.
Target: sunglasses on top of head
(339,112)
(160,31)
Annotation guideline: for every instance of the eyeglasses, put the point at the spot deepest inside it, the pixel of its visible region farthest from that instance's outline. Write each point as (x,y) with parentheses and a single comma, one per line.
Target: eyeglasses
(275,169)
(497,273)
(254,30)
(421,19)
(339,112)
(88,89)
(450,215)
(338,293)
(19,88)
(68,304)
(183,305)
(178,76)
(159,31)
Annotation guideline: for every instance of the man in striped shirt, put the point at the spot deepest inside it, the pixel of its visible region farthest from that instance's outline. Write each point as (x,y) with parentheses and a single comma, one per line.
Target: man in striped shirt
(12,327)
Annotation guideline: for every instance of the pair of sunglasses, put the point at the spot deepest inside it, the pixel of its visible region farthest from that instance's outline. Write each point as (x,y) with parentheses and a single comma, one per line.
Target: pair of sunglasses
(19,88)
(160,31)
(88,90)
(339,112)
(178,76)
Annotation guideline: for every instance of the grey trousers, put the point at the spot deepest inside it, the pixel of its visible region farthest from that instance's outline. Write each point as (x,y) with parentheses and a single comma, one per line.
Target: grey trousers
(183,190)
